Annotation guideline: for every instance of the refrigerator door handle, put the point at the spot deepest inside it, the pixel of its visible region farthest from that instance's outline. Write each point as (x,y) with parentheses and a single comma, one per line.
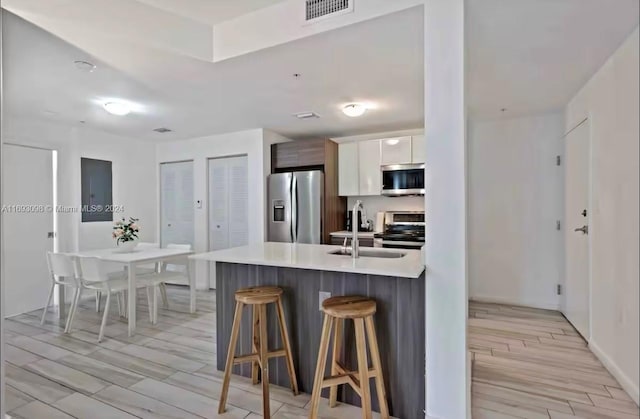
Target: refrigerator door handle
(294,209)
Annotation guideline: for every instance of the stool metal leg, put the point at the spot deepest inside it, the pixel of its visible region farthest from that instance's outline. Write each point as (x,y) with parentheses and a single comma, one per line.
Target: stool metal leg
(237,319)
(337,348)
(377,366)
(287,348)
(255,367)
(322,363)
(264,360)
(363,369)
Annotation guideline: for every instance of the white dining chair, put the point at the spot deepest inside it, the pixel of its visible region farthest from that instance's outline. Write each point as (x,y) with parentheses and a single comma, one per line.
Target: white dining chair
(175,271)
(92,275)
(62,273)
(152,268)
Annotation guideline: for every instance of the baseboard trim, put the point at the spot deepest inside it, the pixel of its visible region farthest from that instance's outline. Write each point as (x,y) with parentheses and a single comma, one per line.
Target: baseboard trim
(626,383)
(509,301)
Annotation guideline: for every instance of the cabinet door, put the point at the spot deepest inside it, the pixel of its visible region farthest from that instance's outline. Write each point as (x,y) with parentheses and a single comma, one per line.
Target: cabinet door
(298,154)
(396,151)
(348,176)
(418,149)
(369,167)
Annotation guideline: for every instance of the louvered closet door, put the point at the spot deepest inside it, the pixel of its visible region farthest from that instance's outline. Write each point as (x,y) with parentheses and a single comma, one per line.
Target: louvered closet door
(228,202)
(176,209)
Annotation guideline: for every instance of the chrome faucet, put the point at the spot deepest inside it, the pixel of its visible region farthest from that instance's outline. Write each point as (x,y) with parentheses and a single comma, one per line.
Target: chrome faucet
(355,226)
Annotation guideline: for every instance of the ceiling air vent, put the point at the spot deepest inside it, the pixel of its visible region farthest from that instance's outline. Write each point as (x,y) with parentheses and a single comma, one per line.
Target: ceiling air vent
(306,115)
(162,130)
(321,9)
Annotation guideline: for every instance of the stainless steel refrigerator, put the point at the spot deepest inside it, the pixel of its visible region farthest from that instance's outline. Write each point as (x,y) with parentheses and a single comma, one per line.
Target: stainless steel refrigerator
(295,207)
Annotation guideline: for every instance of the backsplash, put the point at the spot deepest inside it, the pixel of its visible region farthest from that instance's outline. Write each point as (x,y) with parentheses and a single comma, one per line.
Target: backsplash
(374,204)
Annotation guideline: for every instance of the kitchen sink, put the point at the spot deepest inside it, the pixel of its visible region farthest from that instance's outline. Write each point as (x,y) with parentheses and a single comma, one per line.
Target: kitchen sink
(368,253)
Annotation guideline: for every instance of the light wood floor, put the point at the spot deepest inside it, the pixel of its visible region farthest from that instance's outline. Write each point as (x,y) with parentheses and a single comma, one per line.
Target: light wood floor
(165,371)
(530,363)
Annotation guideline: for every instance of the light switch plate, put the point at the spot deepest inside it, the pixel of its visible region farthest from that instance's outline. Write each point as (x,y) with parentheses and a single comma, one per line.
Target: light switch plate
(321,297)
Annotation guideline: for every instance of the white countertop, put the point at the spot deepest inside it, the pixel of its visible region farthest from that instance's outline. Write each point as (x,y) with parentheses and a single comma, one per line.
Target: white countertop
(317,257)
(349,234)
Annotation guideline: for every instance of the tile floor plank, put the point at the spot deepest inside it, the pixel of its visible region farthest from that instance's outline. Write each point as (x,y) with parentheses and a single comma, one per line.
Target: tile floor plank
(101,370)
(210,388)
(37,410)
(34,385)
(14,398)
(137,365)
(68,377)
(19,357)
(139,405)
(81,406)
(185,400)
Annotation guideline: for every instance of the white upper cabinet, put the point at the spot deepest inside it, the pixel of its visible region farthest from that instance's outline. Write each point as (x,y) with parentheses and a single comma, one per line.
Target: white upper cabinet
(348,173)
(370,182)
(418,149)
(396,151)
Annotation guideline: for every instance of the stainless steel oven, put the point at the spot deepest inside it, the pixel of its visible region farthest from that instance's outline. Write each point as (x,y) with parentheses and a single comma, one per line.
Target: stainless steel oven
(403,179)
(402,230)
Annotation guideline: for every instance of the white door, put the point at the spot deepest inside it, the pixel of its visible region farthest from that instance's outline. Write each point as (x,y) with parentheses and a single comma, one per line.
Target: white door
(577,213)
(27,180)
(228,202)
(176,203)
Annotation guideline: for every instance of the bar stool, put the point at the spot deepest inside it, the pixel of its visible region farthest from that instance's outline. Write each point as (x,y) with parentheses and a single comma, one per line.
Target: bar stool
(361,311)
(258,298)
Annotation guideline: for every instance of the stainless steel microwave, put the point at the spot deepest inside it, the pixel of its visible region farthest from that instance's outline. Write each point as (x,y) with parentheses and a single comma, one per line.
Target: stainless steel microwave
(403,179)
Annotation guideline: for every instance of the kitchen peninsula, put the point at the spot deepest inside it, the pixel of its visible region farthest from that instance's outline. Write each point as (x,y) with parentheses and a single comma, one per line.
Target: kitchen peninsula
(304,271)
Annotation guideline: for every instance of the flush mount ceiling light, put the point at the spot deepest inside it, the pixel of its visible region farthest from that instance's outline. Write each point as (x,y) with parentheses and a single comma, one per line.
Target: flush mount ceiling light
(354,110)
(84,66)
(117,108)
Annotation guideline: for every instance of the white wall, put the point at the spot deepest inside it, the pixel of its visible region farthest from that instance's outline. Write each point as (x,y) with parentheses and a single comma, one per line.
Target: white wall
(610,101)
(133,163)
(256,145)
(448,367)
(515,198)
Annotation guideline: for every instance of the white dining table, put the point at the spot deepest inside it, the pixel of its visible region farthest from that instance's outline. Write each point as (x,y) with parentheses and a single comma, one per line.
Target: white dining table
(143,257)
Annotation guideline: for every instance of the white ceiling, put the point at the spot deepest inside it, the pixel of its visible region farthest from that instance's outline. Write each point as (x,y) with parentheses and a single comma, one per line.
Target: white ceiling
(527,56)
(210,11)
(532,56)
(379,61)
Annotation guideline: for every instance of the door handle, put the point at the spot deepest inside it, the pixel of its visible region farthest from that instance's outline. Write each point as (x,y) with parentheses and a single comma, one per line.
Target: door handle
(584,229)
(294,209)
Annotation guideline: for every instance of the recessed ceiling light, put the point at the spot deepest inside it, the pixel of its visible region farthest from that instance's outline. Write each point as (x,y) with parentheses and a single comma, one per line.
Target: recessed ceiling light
(117,108)
(85,66)
(354,110)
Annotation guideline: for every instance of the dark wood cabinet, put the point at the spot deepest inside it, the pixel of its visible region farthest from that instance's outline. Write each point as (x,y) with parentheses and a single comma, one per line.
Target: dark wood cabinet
(299,154)
(316,154)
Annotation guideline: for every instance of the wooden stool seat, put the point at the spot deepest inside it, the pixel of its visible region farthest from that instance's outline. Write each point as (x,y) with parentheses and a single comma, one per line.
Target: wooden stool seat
(336,311)
(258,295)
(258,298)
(351,307)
